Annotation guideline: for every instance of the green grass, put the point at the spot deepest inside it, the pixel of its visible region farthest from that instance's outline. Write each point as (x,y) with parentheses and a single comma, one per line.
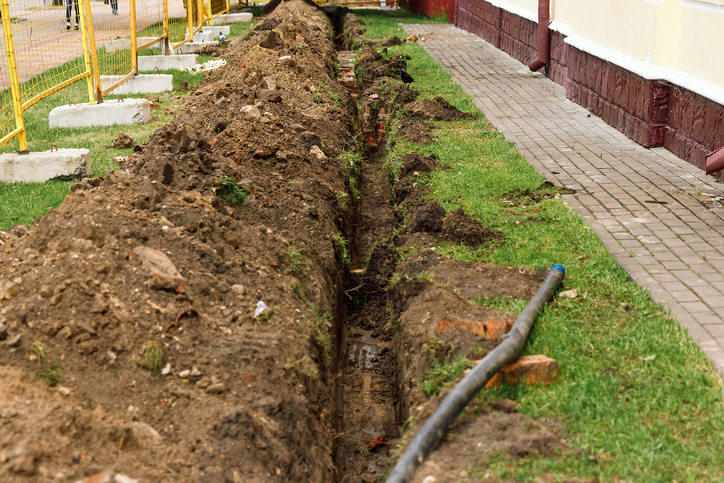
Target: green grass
(21,203)
(639,400)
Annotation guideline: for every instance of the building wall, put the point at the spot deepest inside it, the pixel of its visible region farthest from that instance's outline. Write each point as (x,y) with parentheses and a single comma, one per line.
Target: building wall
(659,88)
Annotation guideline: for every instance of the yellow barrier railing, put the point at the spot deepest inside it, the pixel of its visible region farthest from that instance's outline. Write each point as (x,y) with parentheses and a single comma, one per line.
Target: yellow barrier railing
(48,48)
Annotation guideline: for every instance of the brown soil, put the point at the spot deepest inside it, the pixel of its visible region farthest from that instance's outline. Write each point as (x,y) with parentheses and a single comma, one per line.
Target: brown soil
(437,109)
(243,203)
(416,131)
(527,196)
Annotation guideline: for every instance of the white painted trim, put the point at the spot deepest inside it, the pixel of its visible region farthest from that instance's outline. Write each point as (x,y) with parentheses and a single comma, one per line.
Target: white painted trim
(708,7)
(562,29)
(648,71)
(515,9)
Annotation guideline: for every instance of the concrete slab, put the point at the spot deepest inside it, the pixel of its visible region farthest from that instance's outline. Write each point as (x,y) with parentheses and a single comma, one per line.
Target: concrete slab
(114,111)
(229,18)
(143,40)
(140,84)
(192,47)
(202,36)
(117,44)
(216,29)
(40,167)
(167,62)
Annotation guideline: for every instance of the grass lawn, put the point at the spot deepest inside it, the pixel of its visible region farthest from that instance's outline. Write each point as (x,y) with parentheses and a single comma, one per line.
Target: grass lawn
(21,203)
(638,399)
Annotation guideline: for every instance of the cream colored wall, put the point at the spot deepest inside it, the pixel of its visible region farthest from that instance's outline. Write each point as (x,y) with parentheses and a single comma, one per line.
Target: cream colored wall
(686,35)
(700,44)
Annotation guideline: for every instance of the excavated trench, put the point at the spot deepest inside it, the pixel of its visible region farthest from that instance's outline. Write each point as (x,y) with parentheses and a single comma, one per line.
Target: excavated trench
(219,309)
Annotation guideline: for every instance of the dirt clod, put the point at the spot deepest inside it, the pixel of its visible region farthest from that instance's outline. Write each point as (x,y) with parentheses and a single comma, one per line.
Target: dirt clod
(437,109)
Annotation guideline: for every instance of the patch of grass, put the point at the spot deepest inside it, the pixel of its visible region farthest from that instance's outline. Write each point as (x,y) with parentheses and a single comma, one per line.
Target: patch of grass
(379,24)
(341,246)
(442,373)
(294,260)
(154,357)
(503,304)
(52,373)
(320,325)
(229,190)
(626,414)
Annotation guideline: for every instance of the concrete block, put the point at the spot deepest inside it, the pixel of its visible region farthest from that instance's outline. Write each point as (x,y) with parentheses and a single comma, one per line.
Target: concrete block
(202,36)
(167,62)
(140,84)
(192,47)
(117,44)
(229,18)
(40,167)
(529,370)
(216,29)
(114,111)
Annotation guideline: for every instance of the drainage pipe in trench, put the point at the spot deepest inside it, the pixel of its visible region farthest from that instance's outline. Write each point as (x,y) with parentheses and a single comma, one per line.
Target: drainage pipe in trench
(436,425)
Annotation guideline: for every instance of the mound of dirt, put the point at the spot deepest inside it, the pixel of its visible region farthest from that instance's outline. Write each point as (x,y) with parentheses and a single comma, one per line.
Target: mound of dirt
(427,218)
(437,109)
(413,163)
(371,65)
(184,303)
(460,227)
(416,131)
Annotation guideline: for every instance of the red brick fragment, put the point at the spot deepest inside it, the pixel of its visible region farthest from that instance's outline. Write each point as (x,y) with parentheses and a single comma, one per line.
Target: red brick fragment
(164,275)
(529,370)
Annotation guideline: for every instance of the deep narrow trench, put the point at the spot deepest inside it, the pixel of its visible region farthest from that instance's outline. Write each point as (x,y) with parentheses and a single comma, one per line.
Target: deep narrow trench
(366,392)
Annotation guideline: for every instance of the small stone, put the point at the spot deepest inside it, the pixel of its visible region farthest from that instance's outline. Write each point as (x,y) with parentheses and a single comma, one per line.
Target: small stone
(65,333)
(121,478)
(63,391)
(162,271)
(184,374)
(45,291)
(14,340)
(123,141)
(262,152)
(238,289)
(166,370)
(195,372)
(463,474)
(268,95)
(203,383)
(99,412)
(217,388)
(430,479)
(317,151)
(569,294)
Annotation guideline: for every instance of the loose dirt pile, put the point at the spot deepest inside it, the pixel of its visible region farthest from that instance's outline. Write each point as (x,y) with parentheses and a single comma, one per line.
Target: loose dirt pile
(143,297)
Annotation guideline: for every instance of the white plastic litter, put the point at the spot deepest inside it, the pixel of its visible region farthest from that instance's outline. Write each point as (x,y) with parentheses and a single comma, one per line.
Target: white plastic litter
(206,66)
(260,308)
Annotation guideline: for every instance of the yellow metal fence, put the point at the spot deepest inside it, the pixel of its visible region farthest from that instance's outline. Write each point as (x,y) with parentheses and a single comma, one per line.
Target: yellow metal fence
(48,48)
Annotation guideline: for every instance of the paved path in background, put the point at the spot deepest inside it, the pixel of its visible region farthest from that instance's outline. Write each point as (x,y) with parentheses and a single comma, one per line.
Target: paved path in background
(676,249)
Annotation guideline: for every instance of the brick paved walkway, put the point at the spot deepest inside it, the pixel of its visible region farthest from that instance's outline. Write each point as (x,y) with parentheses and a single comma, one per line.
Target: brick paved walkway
(658,215)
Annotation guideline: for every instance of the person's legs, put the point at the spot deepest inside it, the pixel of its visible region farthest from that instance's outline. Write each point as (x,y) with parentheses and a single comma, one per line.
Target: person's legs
(114,6)
(77,15)
(68,7)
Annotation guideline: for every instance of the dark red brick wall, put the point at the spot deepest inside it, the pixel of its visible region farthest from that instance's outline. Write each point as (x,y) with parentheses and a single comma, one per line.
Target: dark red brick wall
(651,112)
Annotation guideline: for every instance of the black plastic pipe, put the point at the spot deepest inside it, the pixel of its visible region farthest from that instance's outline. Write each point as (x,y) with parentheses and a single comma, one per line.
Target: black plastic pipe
(436,425)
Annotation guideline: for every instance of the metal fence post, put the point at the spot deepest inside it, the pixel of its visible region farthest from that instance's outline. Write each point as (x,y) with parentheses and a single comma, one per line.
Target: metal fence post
(86,53)
(166,41)
(134,37)
(14,81)
(93,52)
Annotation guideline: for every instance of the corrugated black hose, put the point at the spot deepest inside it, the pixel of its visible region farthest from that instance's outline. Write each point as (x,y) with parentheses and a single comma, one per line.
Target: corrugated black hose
(436,425)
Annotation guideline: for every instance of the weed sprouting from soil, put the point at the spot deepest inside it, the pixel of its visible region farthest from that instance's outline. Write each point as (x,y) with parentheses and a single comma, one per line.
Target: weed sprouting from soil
(294,260)
(319,325)
(341,246)
(50,372)
(229,190)
(154,356)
